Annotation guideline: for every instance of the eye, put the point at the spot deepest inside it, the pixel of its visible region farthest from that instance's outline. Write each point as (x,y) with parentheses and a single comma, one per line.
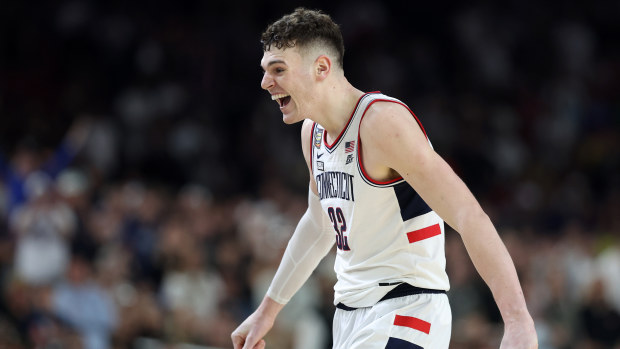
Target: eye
(279,70)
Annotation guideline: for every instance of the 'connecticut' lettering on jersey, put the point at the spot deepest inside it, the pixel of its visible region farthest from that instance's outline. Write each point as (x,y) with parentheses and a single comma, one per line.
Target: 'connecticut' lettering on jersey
(385,233)
(333,184)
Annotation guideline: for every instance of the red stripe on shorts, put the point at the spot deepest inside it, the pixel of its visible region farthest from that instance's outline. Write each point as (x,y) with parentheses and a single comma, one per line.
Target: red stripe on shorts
(413,322)
(424,233)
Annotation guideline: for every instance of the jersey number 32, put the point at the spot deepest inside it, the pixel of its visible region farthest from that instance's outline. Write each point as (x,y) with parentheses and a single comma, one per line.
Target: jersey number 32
(340,226)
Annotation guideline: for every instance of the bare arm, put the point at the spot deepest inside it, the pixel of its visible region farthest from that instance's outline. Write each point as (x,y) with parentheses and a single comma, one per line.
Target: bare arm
(308,245)
(391,134)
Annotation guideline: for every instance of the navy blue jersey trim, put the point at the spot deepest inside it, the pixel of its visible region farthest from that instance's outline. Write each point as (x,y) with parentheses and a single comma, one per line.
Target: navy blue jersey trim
(397,343)
(410,203)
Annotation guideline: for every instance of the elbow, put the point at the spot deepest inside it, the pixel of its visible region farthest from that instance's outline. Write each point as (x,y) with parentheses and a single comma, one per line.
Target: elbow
(471,220)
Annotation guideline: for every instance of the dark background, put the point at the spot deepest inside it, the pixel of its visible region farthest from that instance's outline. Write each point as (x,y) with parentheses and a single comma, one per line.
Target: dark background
(520,97)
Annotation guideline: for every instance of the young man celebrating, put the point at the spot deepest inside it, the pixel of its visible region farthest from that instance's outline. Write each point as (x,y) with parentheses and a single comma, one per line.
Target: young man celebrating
(376,183)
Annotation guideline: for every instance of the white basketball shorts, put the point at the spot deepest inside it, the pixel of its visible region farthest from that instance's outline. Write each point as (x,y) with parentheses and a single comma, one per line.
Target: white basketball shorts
(409,322)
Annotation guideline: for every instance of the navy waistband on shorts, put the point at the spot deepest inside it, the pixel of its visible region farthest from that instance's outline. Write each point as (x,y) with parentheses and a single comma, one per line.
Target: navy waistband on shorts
(401,290)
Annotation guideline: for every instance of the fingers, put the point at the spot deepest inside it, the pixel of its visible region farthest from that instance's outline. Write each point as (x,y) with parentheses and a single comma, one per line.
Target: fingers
(253,343)
(260,345)
(237,341)
(249,344)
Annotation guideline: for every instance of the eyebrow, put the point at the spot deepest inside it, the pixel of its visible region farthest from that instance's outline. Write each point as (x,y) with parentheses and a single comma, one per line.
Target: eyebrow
(276,61)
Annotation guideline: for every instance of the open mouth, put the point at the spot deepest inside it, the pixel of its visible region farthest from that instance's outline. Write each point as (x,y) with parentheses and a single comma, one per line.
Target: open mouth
(282,99)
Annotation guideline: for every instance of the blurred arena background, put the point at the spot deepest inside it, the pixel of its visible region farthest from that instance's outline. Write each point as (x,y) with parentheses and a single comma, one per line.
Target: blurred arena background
(149,186)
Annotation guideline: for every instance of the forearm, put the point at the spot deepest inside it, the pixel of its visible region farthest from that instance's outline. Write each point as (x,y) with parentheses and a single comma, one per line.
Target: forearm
(308,245)
(495,266)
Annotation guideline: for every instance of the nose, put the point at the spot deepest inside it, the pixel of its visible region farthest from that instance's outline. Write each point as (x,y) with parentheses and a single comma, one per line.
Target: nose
(267,81)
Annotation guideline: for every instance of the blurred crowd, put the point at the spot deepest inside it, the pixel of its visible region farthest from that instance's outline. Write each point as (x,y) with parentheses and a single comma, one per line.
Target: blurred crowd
(148,187)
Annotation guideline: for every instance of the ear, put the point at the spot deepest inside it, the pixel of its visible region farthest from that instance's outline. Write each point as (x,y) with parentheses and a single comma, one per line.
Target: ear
(322,67)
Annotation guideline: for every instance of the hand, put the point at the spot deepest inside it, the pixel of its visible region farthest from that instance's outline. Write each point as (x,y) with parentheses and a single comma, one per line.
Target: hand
(520,336)
(249,335)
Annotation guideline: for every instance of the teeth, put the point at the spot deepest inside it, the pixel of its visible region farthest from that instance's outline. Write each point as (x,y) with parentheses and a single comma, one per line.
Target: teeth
(274,97)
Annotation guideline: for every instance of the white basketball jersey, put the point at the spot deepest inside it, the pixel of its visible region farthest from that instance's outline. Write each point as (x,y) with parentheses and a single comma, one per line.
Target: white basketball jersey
(385,233)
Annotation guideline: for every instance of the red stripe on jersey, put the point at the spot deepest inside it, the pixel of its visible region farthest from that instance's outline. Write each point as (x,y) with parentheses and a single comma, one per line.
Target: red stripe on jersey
(424,233)
(412,322)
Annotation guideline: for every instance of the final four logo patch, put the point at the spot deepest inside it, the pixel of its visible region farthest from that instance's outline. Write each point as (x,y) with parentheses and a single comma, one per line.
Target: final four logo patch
(318,135)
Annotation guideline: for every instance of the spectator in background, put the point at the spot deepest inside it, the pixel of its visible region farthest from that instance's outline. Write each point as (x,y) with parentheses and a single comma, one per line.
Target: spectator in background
(43,228)
(144,212)
(191,291)
(139,312)
(82,304)
(29,160)
(601,321)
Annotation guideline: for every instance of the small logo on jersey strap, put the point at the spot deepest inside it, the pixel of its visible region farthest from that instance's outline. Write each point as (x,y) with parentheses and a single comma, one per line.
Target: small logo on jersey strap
(318,156)
(318,135)
(349,159)
(349,147)
(320,166)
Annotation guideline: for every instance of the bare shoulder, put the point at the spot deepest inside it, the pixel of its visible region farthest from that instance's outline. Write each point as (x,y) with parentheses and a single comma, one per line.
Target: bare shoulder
(392,140)
(387,122)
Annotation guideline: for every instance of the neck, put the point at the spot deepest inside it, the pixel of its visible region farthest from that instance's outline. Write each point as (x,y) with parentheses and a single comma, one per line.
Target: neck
(336,105)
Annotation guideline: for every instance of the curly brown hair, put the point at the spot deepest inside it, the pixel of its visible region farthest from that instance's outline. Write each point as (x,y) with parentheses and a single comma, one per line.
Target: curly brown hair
(304,28)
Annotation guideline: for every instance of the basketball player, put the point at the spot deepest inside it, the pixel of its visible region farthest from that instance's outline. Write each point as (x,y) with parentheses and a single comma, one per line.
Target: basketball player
(377,186)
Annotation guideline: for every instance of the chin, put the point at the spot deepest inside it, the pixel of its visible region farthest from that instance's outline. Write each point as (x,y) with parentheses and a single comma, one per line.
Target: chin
(291,119)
